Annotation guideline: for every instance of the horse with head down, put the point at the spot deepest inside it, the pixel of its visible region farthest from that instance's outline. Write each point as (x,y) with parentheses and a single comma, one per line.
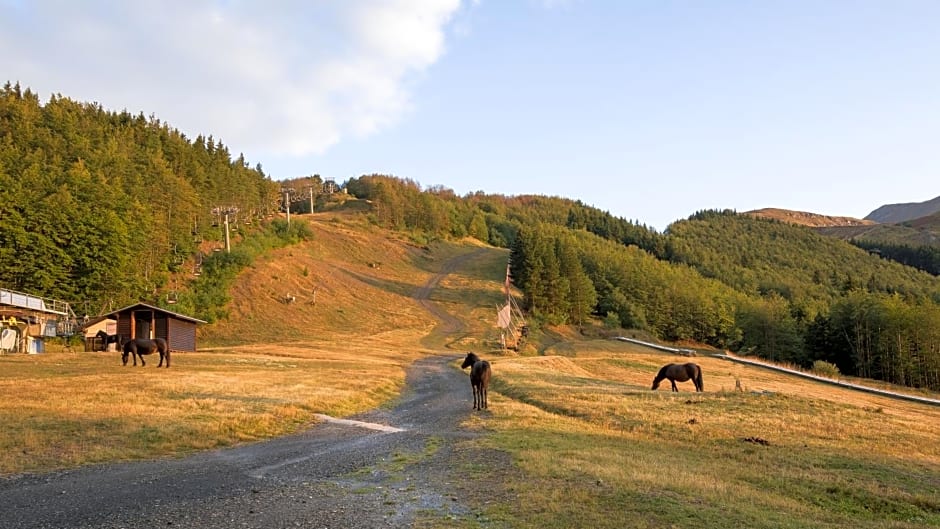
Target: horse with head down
(479,378)
(680,373)
(138,347)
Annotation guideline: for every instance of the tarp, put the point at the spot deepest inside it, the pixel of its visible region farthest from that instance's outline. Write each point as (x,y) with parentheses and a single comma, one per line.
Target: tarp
(504,317)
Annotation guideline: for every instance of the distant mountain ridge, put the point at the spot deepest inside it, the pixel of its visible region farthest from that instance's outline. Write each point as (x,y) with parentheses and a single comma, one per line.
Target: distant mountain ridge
(804,218)
(895,213)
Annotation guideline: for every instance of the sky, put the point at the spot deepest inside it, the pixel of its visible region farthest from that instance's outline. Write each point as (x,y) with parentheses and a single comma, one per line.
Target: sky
(650,110)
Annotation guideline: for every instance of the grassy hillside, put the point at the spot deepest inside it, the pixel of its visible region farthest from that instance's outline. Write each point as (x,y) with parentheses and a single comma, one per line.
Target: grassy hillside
(757,256)
(353,278)
(803,218)
(585,442)
(924,231)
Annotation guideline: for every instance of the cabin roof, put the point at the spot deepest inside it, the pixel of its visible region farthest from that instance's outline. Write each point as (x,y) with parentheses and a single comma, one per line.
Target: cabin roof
(154,308)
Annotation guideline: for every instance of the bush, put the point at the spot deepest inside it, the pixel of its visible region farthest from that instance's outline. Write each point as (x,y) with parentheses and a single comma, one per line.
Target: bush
(825,369)
(612,320)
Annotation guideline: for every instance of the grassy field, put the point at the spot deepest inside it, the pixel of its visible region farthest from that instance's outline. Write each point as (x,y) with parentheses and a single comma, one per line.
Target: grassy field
(587,443)
(599,449)
(62,410)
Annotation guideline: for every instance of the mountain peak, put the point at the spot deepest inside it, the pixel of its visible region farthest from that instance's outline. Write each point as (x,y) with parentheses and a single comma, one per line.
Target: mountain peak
(895,213)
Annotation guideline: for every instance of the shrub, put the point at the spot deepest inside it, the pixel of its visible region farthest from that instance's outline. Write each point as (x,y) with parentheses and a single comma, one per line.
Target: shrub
(825,369)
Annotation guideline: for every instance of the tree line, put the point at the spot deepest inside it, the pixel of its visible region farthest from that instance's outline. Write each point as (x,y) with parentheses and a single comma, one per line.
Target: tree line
(756,286)
(926,258)
(99,206)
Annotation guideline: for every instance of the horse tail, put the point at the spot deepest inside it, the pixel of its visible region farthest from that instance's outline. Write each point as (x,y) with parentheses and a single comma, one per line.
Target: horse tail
(698,378)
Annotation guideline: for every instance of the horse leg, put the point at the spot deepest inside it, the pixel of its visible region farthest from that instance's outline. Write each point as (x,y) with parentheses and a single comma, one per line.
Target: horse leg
(483,390)
(674,387)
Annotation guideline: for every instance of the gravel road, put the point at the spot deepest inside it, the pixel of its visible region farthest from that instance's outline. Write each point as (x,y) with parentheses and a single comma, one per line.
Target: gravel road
(396,467)
(336,475)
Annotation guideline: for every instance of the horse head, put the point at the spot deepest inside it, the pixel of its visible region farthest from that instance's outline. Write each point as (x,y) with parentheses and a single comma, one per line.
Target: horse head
(660,376)
(103,337)
(469,360)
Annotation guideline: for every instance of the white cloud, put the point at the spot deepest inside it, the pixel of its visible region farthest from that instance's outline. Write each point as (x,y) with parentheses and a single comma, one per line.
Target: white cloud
(282,77)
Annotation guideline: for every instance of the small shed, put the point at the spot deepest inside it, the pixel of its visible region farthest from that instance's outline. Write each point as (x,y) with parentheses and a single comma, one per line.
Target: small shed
(148,321)
(90,329)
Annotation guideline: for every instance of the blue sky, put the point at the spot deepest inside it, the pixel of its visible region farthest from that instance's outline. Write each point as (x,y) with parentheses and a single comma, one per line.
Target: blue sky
(650,110)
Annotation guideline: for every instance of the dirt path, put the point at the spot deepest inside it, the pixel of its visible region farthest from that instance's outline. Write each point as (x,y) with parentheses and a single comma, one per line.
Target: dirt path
(386,469)
(449,323)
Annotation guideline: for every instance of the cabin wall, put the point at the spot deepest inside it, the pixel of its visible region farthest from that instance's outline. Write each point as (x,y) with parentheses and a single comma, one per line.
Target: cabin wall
(182,335)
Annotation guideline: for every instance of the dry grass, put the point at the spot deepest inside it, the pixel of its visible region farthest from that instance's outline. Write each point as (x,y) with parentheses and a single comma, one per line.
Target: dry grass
(599,449)
(350,279)
(68,409)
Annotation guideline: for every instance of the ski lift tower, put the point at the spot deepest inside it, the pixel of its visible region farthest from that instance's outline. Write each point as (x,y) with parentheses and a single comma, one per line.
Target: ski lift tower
(510,320)
(288,193)
(224,212)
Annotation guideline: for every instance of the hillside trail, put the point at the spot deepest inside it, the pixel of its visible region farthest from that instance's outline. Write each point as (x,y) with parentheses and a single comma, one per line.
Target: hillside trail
(449,324)
(392,467)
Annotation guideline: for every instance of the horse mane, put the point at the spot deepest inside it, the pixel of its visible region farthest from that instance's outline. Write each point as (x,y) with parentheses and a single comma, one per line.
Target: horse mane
(470,360)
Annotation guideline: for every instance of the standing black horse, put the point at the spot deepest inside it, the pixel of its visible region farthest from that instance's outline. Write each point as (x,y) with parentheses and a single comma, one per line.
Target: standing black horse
(107,339)
(479,378)
(142,346)
(680,373)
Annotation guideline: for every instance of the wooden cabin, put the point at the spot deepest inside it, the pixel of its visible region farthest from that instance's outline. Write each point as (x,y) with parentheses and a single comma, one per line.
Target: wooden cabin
(147,321)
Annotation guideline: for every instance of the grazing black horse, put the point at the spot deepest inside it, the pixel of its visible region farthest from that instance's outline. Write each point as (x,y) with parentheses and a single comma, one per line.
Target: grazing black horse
(138,347)
(479,378)
(680,373)
(107,339)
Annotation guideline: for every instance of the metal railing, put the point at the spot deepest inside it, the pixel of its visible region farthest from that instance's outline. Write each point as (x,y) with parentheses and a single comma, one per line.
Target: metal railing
(36,303)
